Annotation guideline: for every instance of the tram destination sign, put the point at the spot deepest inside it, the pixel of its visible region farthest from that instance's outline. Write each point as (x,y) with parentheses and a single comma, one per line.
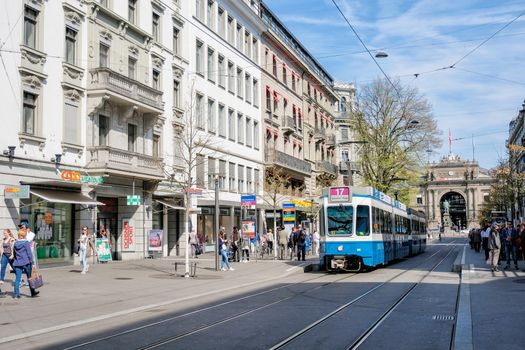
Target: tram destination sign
(340,194)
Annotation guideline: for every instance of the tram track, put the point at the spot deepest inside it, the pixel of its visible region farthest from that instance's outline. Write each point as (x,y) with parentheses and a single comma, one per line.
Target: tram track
(231,317)
(361,338)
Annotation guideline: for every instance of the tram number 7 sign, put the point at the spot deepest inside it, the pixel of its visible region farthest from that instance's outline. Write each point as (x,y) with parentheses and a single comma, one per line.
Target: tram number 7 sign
(339,194)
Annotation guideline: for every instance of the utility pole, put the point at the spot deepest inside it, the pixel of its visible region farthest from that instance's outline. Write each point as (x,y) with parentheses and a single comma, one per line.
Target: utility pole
(217,213)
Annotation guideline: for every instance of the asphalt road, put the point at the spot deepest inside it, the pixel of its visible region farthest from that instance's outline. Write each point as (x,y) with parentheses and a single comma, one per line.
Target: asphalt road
(407,305)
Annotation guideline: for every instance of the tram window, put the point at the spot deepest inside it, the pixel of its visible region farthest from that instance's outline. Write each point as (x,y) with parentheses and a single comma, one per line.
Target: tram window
(321,221)
(376,220)
(340,220)
(362,225)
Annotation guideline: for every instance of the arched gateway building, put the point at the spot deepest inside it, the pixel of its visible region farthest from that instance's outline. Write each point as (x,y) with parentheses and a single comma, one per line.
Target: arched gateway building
(453,192)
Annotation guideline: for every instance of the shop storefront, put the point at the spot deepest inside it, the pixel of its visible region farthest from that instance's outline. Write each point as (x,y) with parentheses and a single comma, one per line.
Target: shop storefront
(53,215)
(206,222)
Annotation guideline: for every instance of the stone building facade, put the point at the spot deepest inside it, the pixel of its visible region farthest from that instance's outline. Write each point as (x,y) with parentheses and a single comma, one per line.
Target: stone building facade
(463,184)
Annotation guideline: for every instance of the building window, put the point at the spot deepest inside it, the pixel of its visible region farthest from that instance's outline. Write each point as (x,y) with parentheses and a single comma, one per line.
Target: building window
(211,116)
(155,27)
(274,66)
(344,155)
(293,82)
(30,21)
(155,79)
(199,57)
(220,22)
(285,78)
(268,99)
(239,82)
(231,30)
(249,132)
(255,84)
(249,181)
(132,65)
(231,177)
(176,41)
(103,130)
(199,12)
(30,109)
(211,172)
(71,123)
(255,55)
(240,177)
(222,174)
(247,88)
(256,179)
(222,120)
(240,128)
(222,71)
(71,46)
(209,14)
(231,77)
(176,94)
(239,37)
(231,125)
(419,199)
(211,67)
(199,111)
(132,8)
(103,55)
(256,136)
(247,42)
(344,134)
(132,137)
(156,146)
(200,170)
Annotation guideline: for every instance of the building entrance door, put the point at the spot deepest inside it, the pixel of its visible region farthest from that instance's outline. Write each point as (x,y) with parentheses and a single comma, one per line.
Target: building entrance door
(107,218)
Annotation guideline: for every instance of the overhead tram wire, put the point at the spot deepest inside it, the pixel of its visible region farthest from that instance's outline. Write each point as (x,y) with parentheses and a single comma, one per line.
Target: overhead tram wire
(366,48)
(490,76)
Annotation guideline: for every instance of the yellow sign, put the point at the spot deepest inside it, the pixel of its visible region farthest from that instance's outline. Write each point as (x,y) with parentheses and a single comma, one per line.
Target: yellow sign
(301,203)
(516,147)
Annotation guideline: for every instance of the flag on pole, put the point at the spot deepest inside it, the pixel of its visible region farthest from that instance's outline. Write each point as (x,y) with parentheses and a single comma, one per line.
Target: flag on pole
(449,142)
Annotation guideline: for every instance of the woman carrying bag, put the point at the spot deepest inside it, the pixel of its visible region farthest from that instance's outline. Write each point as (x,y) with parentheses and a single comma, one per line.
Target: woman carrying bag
(23,262)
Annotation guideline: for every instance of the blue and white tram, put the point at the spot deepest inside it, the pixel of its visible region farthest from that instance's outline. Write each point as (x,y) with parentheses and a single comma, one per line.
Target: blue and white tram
(418,231)
(368,229)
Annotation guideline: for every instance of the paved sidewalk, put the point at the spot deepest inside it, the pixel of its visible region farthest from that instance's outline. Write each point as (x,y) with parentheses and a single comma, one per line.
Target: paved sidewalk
(491,305)
(69,299)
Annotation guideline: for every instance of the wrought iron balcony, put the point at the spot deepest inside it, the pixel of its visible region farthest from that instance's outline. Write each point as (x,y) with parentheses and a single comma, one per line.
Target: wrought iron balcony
(326,167)
(288,125)
(104,79)
(116,161)
(288,162)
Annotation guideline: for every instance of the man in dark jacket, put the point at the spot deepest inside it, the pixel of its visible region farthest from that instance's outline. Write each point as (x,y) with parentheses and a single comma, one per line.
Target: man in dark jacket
(300,239)
(509,235)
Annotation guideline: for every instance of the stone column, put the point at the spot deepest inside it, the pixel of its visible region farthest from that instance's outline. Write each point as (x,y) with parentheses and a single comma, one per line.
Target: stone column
(474,204)
(433,205)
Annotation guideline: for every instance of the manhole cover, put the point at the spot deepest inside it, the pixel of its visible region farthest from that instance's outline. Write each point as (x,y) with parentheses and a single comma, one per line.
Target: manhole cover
(521,280)
(443,318)
(123,278)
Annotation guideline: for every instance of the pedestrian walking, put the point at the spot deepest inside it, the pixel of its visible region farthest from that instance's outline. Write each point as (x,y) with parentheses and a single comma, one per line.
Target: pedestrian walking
(235,244)
(7,253)
(269,241)
(83,243)
(22,262)
(485,233)
(192,240)
(301,243)
(476,239)
(495,247)
(224,252)
(315,239)
(283,242)
(510,234)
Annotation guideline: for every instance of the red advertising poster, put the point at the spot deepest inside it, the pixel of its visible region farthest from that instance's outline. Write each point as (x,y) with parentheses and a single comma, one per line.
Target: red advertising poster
(128,235)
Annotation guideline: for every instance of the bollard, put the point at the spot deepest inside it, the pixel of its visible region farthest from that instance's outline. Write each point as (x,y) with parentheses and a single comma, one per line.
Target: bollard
(176,265)
(193,269)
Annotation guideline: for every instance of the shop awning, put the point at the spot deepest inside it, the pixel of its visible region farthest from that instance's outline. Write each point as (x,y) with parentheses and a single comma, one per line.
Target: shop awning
(67,197)
(170,204)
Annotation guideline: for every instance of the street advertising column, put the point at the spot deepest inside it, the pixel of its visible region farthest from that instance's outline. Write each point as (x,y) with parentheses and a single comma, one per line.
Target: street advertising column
(128,235)
(288,217)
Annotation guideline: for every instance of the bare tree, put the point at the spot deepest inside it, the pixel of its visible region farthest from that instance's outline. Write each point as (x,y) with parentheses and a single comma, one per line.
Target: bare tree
(396,127)
(191,144)
(275,181)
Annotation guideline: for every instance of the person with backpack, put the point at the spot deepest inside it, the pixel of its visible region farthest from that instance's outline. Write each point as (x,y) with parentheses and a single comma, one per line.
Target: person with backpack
(300,235)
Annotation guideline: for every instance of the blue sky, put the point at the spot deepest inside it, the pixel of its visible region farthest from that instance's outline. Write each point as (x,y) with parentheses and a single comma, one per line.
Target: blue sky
(480,96)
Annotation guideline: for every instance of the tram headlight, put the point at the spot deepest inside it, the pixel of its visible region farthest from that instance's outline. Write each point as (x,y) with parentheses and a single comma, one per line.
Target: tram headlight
(340,248)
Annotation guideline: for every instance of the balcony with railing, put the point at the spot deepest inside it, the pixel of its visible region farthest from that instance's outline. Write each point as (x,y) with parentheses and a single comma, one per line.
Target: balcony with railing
(288,162)
(326,167)
(110,160)
(288,125)
(319,133)
(126,89)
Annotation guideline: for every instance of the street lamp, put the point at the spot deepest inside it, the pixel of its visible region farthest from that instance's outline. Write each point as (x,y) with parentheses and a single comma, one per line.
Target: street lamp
(217,209)
(381,54)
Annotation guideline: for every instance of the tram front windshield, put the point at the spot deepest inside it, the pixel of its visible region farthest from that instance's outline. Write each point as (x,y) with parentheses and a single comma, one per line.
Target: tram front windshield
(340,220)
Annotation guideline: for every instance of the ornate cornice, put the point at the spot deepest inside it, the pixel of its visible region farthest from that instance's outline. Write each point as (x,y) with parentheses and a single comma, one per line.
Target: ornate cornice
(32,55)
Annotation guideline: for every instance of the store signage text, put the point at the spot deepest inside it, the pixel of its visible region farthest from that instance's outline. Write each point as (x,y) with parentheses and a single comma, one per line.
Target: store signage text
(75,176)
(16,192)
(301,203)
